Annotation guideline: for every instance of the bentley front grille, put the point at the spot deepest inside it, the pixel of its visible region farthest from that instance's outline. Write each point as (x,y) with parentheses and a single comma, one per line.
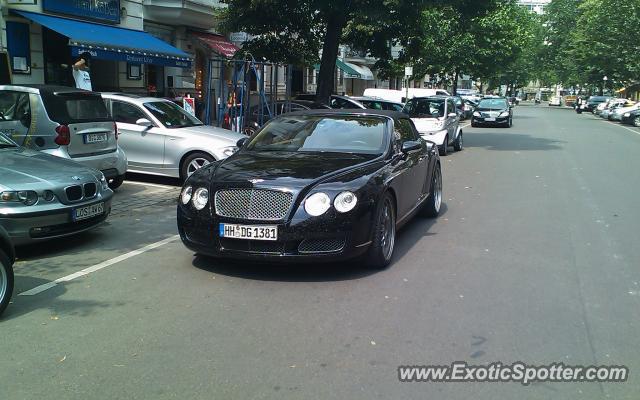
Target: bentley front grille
(253,204)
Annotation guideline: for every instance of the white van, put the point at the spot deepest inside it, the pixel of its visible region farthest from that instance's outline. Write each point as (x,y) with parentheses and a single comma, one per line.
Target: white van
(396,96)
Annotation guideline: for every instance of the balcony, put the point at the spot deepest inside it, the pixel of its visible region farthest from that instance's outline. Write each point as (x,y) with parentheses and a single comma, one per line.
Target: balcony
(191,13)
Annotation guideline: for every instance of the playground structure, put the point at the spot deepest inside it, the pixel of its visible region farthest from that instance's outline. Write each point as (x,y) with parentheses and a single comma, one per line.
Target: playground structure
(254,87)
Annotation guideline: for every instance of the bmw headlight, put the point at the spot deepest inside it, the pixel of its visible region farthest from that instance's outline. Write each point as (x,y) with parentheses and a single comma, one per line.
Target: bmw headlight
(345,202)
(185,196)
(103,182)
(476,114)
(26,197)
(200,198)
(504,114)
(317,204)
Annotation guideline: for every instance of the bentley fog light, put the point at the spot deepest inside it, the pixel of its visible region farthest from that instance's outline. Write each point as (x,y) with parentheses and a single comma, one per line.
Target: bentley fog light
(200,198)
(186,194)
(317,204)
(345,202)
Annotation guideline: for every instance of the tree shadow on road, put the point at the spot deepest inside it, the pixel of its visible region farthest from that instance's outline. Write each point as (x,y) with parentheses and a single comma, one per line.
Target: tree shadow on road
(510,141)
(406,239)
(49,299)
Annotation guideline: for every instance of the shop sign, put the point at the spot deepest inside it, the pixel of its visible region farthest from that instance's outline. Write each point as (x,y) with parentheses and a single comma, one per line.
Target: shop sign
(114,55)
(101,10)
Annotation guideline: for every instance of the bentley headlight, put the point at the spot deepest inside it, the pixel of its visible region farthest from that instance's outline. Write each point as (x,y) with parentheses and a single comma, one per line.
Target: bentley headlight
(504,114)
(476,114)
(200,198)
(345,202)
(317,204)
(627,115)
(185,196)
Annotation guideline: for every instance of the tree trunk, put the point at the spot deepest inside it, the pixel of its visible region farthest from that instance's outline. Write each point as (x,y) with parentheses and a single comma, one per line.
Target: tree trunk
(327,74)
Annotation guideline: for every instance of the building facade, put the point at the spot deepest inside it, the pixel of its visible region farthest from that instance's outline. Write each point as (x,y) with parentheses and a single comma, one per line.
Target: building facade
(536,6)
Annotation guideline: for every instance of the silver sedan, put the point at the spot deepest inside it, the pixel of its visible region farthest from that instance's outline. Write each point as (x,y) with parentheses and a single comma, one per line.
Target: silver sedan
(44,197)
(160,138)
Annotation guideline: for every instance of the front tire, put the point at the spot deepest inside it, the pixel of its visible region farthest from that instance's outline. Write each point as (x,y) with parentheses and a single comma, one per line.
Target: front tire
(116,182)
(458,145)
(194,162)
(431,207)
(636,121)
(444,149)
(384,235)
(6,281)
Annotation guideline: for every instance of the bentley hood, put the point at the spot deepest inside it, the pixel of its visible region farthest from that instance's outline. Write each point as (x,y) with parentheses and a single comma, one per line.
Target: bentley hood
(286,169)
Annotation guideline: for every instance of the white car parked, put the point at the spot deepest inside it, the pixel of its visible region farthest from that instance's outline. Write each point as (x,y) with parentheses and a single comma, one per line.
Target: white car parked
(436,119)
(160,138)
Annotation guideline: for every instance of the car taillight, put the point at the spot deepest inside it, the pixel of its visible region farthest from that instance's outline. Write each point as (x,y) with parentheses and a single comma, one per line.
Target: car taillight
(115,130)
(63,137)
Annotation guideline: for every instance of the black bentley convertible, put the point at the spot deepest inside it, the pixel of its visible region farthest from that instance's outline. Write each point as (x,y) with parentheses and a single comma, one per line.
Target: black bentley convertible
(322,185)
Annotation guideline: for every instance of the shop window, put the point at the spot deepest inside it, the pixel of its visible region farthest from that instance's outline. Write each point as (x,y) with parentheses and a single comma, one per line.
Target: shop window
(19,47)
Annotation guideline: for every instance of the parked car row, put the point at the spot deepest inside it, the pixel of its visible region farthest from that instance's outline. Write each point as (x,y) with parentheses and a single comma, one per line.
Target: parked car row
(309,168)
(613,109)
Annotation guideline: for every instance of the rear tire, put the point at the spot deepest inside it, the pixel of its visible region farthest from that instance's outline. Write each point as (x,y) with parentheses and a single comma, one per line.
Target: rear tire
(431,207)
(116,182)
(6,281)
(458,145)
(384,235)
(194,162)
(444,149)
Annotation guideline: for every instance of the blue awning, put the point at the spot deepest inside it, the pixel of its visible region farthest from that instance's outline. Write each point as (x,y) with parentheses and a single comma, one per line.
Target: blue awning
(111,43)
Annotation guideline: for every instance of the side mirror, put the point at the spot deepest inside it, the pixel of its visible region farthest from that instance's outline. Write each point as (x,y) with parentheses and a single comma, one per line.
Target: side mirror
(410,146)
(144,122)
(242,142)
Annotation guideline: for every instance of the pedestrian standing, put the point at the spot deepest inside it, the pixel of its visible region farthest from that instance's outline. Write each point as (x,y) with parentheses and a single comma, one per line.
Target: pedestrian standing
(81,71)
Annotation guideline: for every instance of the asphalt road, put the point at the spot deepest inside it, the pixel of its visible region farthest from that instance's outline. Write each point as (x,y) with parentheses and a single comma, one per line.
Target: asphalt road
(535,258)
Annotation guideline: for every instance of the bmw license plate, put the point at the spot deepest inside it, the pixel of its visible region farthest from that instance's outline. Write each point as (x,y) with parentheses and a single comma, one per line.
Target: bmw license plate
(95,138)
(80,213)
(252,232)
(490,119)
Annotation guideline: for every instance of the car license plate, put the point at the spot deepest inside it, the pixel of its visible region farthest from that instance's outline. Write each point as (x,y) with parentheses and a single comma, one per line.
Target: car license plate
(95,138)
(78,214)
(490,119)
(252,232)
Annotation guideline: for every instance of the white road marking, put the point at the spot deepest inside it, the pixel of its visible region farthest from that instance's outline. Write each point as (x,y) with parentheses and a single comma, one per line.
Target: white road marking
(464,126)
(623,127)
(97,267)
(157,185)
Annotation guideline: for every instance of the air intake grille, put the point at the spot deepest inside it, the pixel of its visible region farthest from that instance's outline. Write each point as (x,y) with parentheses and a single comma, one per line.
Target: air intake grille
(89,190)
(253,204)
(321,245)
(74,193)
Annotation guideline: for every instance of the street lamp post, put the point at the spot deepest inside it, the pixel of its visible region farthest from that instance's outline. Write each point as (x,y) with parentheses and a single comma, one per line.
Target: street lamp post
(604,85)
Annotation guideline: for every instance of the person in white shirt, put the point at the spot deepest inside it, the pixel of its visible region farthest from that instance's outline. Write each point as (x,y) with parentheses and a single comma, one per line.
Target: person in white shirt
(81,72)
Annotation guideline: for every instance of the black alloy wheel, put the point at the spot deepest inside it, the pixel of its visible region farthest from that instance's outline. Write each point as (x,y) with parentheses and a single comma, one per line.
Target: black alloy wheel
(384,235)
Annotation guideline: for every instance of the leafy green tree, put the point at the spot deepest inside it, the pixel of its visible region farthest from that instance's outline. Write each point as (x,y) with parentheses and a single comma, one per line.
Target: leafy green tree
(606,42)
(296,31)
